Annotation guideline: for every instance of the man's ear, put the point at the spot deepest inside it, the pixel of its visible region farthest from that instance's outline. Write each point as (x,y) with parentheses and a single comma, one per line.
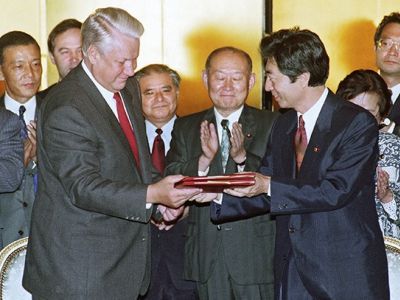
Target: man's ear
(93,54)
(53,61)
(204,76)
(252,80)
(1,73)
(304,79)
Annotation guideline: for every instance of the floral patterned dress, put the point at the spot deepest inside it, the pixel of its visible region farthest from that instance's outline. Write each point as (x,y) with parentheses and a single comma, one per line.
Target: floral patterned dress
(389,160)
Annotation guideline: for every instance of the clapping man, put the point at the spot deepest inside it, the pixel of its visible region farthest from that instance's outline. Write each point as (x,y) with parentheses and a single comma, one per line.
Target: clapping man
(233,261)
(21,70)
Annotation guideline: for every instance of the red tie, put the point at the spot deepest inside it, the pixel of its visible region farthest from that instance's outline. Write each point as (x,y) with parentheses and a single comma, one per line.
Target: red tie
(126,127)
(158,152)
(300,142)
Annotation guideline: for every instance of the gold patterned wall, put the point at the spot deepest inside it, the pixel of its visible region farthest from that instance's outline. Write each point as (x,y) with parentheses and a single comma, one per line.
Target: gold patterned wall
(181,33)
(346,28)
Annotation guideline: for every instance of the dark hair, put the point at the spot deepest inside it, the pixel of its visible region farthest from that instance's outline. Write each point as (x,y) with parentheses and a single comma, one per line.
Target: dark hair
(366,81)
(15,38)
(159,69)
(60,28)
(394,17)
(217,51)
(296,52)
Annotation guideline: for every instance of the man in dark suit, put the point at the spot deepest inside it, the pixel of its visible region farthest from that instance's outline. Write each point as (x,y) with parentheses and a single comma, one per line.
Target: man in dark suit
(11,149)
(233,261)
(387,51)
(90,233)
(21,70)
(319,172)
(159,86)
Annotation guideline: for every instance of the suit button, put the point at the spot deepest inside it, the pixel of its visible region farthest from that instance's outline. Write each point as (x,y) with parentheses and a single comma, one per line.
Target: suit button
(20,232)
(292,229)
(24,204)
(218,227)
(282,206)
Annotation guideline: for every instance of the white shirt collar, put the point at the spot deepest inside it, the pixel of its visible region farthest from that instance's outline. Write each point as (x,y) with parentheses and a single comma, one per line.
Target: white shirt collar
(166,135)
(107,95)
(13,105)
(310,116)
(233,117)
(395,92)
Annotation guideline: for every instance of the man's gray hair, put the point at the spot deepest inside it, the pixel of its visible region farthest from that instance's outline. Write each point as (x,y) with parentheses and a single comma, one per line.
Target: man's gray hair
(100,25)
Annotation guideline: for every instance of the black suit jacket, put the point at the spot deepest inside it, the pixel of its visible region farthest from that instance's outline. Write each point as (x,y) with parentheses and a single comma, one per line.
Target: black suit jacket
(394,113)
(16,207)
(326,216)
(247,244)
(89,233)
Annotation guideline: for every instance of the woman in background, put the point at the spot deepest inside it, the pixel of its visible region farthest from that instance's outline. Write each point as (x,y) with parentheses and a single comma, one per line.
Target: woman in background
(367,89)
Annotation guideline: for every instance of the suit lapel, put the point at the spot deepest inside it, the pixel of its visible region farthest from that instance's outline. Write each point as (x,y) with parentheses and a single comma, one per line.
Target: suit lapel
(288,155)
(102,111)
(133,106)
(319,140)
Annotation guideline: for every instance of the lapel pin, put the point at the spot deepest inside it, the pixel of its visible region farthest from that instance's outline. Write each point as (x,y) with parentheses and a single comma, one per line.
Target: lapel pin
(316,149)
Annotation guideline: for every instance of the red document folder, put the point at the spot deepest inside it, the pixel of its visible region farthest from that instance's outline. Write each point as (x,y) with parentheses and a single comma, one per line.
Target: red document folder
(216,184)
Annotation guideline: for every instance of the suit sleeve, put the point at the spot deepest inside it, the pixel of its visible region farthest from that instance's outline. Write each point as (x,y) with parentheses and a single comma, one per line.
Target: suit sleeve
(11,149)
(236,208)
(346,169)
(75,155)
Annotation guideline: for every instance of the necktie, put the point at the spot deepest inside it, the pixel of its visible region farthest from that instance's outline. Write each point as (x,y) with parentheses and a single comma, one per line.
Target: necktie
(126,127)
(300,142)
(24,130)
(225,143)
(158,152)
(24,135)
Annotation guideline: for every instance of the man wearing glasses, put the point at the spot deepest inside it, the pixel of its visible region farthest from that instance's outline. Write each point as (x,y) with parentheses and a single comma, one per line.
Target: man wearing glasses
(387,49)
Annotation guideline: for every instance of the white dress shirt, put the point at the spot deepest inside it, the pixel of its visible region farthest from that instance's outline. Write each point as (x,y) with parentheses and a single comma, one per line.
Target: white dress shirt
(395,92)
(166,135)
(13,105)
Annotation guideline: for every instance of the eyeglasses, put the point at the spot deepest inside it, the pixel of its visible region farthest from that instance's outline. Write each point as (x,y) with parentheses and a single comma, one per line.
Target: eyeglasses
(387,44)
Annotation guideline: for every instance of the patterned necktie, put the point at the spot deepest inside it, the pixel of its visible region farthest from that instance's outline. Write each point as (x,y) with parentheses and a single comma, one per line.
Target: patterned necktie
(158,152)
(300,142)
(127,128)
(24,131)
(225,143)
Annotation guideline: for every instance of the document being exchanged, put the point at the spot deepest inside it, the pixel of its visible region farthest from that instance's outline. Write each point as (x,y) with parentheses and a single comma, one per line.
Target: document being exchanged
(216,184)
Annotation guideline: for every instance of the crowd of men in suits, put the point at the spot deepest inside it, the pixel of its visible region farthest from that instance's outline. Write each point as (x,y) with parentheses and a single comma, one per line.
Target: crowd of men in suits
(88,169)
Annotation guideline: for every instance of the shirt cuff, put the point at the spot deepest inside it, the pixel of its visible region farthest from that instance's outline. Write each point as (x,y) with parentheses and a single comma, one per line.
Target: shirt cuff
(203,173)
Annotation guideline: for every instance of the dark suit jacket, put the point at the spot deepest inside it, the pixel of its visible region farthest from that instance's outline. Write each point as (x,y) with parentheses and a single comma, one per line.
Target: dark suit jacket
(89,233)
(16,206)
(247,244)
(394,113)
(12,151)
(326,216)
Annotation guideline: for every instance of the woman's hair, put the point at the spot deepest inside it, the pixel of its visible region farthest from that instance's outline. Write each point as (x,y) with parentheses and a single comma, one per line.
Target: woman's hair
(366,81)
